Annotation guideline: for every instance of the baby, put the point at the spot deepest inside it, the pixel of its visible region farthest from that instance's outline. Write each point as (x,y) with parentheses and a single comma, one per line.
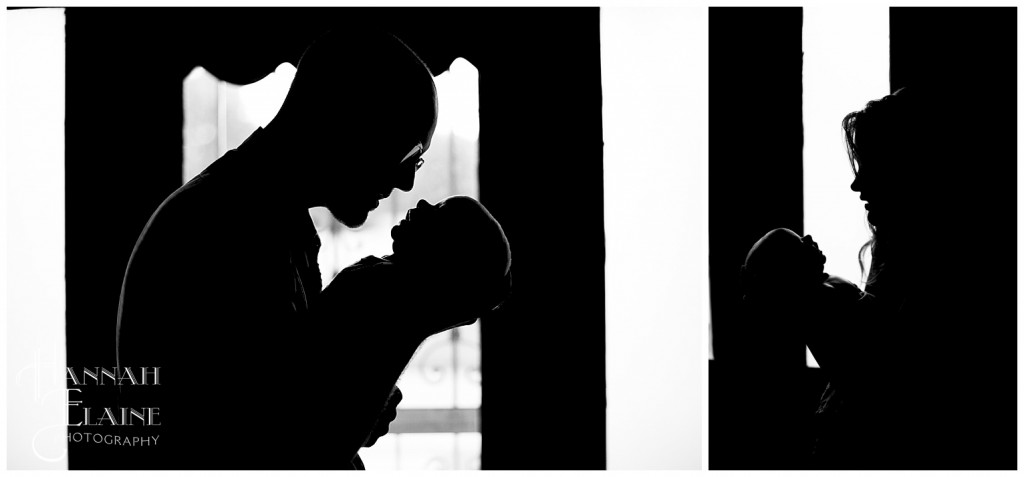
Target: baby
(788,297)
(782,264)
(450,265)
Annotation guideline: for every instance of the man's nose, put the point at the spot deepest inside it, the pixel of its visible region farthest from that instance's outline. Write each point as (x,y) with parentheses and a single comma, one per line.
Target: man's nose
(406,180)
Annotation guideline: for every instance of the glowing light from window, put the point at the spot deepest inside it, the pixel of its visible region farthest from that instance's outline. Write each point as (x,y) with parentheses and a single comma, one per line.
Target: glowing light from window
(460,87)
(846,64)
(260,101)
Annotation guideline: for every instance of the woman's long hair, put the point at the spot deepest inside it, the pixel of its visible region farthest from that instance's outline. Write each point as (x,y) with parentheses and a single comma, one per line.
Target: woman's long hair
(849,130)
(909,140)
(850,125)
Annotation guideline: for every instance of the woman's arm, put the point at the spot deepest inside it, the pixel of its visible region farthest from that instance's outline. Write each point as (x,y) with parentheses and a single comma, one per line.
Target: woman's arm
(841,327)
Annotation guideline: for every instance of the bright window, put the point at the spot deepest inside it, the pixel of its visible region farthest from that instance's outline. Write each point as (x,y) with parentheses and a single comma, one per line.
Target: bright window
(846,63)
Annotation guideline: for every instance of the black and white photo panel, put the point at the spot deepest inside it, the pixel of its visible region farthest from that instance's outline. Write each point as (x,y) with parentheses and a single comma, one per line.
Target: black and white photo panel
(862,201)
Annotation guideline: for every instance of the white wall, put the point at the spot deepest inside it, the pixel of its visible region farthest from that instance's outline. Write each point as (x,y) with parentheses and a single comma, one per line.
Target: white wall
(33,182)
(654,75)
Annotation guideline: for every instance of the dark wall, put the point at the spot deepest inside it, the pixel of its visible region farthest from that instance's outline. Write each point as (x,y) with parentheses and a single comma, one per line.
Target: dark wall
(757,413)
(540,166)
(538,117)
(755,148)
(123,156)
(969,55)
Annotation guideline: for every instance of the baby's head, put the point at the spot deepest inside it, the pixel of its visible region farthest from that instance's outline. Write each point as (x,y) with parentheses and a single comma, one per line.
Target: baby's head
(456,241)
(782,262)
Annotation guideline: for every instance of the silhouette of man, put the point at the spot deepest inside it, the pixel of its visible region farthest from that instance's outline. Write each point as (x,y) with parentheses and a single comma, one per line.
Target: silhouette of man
(223,291)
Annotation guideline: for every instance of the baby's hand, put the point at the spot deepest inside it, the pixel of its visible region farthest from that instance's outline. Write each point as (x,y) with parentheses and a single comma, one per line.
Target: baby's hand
(815,258)
(783,262)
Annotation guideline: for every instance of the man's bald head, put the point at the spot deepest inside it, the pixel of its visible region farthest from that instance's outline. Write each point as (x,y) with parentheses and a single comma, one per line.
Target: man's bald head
(367,78)
(359,114)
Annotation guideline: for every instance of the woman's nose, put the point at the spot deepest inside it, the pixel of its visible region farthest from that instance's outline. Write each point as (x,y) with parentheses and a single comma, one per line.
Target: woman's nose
(855,185)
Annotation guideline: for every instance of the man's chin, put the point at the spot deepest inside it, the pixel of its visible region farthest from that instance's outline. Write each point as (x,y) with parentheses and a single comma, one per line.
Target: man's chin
(348,218)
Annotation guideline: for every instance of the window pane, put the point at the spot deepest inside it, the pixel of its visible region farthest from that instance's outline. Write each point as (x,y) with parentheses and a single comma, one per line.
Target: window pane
(219,116)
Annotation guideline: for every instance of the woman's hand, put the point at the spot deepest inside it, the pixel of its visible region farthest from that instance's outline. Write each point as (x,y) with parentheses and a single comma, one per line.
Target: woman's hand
(842,289)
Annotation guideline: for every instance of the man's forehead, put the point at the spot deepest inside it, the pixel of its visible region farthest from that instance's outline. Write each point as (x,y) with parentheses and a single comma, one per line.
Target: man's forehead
(428,137)
(430,130)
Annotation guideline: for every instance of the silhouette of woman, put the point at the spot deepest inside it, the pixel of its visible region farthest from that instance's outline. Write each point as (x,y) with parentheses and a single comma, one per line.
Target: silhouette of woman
(921,374)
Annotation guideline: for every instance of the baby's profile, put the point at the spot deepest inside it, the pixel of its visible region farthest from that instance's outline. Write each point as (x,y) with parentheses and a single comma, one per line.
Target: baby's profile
(457,237)
(450,264)
(780,264)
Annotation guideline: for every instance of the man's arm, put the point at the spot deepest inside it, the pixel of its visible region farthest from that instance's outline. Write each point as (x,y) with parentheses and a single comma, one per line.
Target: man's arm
(354,339)
(365,327)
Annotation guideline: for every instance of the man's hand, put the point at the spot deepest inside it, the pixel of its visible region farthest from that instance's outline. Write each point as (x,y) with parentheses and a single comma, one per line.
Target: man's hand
(388,415)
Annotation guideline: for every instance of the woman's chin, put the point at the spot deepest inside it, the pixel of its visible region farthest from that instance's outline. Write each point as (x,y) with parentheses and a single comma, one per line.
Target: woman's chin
(873,217)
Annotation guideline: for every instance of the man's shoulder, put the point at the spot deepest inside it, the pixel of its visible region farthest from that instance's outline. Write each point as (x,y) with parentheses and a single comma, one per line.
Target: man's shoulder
(201,217)
(213,193)
(189,207)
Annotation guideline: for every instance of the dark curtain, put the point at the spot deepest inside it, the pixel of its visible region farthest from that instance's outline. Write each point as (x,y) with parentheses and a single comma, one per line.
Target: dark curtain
(758,408)
(970,56)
